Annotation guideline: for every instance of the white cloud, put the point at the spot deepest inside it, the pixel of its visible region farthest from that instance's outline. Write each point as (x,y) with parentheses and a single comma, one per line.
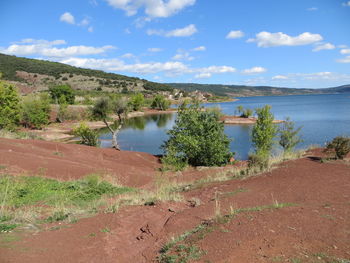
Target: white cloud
(267,39)
(326,46)
(91,29)
(182,55)
(154,49)
(346,3)
(345,51)
(312,9)
(67,18)
(153,8)
(203,75)
(279,77)
(235,34)
(344,60)
(200,48)
(84,22)
(342,46)
(128,55)
(48,49)
(217,69)
(179,32)
(254,70)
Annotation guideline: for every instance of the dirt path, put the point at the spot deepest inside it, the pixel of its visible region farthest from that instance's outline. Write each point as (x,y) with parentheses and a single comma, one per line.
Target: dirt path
(314,227)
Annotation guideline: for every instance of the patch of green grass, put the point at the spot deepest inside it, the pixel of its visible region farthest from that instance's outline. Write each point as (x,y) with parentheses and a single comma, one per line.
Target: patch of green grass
(105,230)
(19,191)
(7,227)
(232,193)
(2,167)
(57,216)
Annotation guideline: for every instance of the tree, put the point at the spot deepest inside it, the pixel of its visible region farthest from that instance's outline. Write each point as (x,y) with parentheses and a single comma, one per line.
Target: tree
(9,106)
(264,132)
(35,111)
(88,136)
(137,101)
(160,103)
(289,136)
(239,109)
(197,138)
(62,91)
(103,107)
(244,113)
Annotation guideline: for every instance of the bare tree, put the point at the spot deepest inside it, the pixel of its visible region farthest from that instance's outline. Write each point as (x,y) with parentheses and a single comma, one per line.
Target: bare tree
(104,107)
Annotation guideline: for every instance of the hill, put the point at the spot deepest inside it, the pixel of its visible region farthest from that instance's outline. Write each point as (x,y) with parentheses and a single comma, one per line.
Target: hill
(34,75)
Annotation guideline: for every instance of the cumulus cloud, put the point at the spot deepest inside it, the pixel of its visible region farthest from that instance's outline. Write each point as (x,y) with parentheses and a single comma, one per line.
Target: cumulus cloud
(312,9)
(203,75)
(254,70)
(326,46)
(345,51)
(267,39)
(49,49)
(346,3)
(235,34)
(200,48)
(183,55)
(154,49)
(153,8)
(67,18)
(128,55)
(179,32)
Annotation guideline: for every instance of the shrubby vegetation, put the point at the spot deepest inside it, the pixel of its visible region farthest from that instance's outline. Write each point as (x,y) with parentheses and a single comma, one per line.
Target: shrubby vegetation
(35,111)
(87,136)
(244,113)
(197,139)
(289,136)
(160,103)
(9,106)
(137,101)
(62,94)
(340,145)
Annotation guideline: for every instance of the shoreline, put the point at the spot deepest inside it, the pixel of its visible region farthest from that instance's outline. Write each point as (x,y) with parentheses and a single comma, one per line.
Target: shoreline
(232,120)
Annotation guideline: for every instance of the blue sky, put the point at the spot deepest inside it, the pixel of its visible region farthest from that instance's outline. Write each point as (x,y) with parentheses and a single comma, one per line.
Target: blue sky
(289,43)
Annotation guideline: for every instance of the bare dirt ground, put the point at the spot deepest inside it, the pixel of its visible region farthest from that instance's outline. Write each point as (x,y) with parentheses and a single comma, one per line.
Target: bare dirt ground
(309,220)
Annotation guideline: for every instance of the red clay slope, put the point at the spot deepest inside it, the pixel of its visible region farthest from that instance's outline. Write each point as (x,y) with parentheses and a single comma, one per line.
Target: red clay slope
(70,161)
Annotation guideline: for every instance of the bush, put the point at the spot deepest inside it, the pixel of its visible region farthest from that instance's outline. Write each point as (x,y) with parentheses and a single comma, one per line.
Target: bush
(289,137)
(35,111)
(197,138)
(341,146)
(264,132)
(137,101)
(64,91)
(160,103)
(9,106)
(87,135)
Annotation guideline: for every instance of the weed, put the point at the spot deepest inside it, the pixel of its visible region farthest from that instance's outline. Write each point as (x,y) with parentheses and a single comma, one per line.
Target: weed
(105,230)
(57,216)
(7,227)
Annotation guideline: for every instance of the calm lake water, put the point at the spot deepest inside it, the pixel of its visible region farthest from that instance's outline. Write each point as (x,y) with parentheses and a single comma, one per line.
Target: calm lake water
(322,117)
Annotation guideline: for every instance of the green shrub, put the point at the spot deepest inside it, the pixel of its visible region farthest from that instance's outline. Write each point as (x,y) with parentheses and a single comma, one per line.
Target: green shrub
(160,103)
(289,137)
(87,136)
(197,138)
(341,146)
(137,101)
(64,91)
(35,111)
(9,106)
(264,132)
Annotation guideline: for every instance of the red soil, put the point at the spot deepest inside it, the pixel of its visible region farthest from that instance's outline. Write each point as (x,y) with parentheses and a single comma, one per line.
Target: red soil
(318,223)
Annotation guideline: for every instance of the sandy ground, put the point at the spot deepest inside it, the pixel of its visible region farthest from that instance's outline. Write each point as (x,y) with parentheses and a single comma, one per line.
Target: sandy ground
(317,223)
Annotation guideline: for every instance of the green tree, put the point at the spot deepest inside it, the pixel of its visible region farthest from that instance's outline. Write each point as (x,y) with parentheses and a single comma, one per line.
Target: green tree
(35,111)
(264,132)
(289,136)
(239,109)
(62,91)
(197,138)
(101,110)
(9,106)
(160,103)
(137,101)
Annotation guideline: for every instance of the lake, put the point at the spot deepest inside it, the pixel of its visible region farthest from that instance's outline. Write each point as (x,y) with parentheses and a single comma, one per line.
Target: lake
(322,117)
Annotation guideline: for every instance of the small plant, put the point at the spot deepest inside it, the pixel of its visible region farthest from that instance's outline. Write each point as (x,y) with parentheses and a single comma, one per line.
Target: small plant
(289,137)
(160,103)
(35,111)
(9,106)
(88,136)
(105,230)
(7,227)
(340,145)
(57,216)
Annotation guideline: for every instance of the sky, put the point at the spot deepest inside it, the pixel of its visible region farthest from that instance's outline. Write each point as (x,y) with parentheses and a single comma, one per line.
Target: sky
(282,43)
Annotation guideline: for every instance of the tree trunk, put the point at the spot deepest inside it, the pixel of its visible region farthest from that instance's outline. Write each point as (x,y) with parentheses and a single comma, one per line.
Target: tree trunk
(114,133)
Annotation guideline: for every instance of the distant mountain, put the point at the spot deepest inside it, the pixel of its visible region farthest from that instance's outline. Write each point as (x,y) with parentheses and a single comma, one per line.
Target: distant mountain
(340,89)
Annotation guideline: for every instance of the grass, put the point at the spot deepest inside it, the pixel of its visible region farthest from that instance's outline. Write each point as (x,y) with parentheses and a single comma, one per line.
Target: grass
(19,135)
(26,199)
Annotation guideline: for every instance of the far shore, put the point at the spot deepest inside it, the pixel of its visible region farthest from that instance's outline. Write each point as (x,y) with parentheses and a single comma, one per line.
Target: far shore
(228,119)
